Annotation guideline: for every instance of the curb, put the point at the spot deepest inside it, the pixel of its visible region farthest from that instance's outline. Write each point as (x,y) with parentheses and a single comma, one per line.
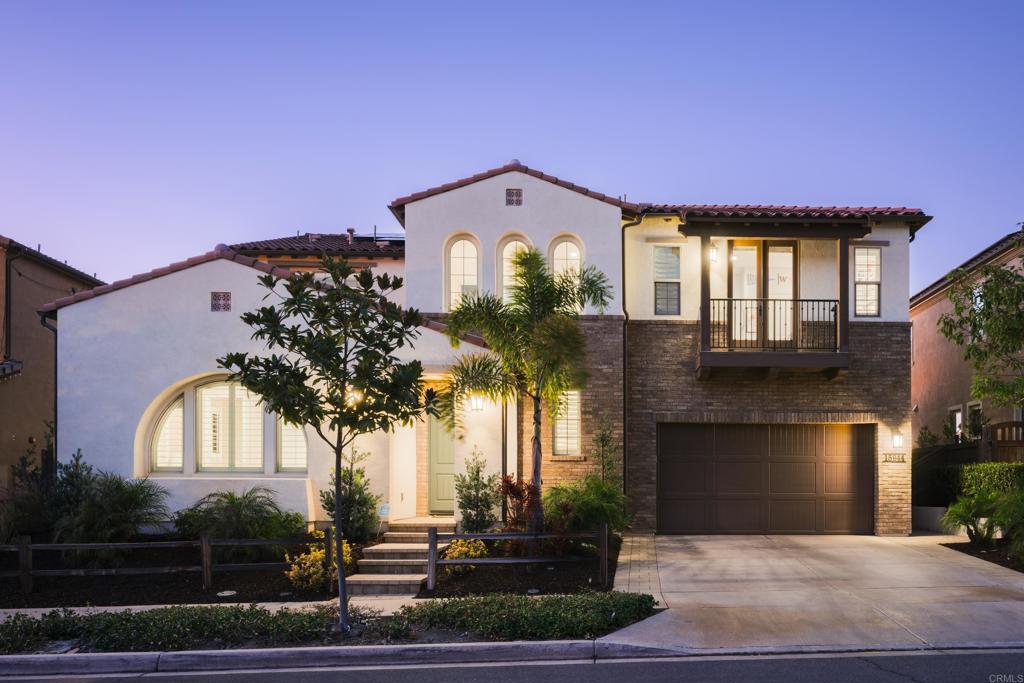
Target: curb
(376,655)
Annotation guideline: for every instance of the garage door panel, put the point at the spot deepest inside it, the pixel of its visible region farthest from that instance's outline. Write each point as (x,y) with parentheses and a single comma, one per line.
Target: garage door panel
(796,441)
(738,477)
(684,477)
(792,477)
(682,515)
(792,516)
(746,478)
(738,516)
(741,441)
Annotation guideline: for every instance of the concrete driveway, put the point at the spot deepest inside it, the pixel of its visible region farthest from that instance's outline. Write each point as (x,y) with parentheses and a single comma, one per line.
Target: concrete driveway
(818,593)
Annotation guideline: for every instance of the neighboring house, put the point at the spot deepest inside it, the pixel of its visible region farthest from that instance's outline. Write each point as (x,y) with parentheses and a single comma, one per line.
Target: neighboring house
(941,378)
(754,360)
(28,280)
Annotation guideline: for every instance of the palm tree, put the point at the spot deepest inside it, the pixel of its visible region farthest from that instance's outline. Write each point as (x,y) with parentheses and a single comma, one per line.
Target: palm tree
(537,349)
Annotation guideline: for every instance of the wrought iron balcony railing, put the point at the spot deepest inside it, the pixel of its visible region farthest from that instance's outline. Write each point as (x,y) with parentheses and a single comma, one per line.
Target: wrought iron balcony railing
(774,324)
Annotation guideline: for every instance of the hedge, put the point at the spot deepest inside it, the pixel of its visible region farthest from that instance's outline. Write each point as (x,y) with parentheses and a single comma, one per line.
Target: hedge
(980,477)
(189,627)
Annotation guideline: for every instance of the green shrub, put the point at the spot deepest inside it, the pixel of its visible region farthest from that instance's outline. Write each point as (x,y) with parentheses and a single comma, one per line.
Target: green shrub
(519,496)
(113,509)
(607,454)
(477,495)
(253,513)
(464,549)
(359,518)
(994,477)
(585,505)
(518,617)
(307,571)
(926,438)
(975,513)
(1009,517)
(37,503)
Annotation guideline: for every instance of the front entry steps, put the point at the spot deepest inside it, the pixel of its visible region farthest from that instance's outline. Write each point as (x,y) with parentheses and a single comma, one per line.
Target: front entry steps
(398,566)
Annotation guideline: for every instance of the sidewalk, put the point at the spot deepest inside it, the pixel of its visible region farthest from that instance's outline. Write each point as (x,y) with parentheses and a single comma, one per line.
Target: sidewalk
(637,569)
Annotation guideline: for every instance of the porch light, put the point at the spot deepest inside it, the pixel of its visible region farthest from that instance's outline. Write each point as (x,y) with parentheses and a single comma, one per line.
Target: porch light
(897,439)
(714,253)
(476,402)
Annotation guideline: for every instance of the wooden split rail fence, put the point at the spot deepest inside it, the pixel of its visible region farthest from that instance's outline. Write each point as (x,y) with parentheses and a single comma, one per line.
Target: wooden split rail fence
(207,567)
(433,537)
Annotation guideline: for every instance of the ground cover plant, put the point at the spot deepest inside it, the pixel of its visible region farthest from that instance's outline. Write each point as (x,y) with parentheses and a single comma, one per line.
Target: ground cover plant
(494,617)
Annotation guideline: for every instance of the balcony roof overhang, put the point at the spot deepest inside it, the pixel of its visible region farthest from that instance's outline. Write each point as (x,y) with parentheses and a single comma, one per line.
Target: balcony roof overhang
(832,363)
(825,228)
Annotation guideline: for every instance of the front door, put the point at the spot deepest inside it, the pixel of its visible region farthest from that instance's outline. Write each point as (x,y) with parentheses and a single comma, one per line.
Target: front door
(441,467)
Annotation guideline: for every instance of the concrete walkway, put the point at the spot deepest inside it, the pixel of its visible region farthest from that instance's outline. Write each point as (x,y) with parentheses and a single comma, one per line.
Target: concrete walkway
(806,593)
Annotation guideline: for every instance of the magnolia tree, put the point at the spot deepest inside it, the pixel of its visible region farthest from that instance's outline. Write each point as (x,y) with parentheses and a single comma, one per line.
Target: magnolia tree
(537,349)
(987,323)
(333,337)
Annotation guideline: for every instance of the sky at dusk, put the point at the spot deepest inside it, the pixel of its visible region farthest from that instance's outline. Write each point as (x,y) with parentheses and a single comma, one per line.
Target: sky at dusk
(138,133)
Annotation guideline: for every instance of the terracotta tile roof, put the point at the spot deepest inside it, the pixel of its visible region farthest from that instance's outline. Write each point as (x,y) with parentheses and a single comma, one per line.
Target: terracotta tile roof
(996,249)
(219,252)
(774,211)
(398,206)
(334,244)
(28,252)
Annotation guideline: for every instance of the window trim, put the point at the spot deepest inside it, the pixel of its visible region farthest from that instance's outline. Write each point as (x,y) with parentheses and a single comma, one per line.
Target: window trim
(155,434)
(446,292)
(557,241)
(499,261)
(877,283)
(198,420)
(678,281)
(278,441)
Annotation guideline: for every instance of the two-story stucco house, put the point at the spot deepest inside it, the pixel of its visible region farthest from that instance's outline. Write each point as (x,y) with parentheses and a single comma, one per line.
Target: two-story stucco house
(754,361)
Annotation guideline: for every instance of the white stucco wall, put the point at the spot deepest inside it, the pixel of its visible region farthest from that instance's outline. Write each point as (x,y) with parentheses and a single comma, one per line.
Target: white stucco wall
(817,265)
(125,354)
(479,209)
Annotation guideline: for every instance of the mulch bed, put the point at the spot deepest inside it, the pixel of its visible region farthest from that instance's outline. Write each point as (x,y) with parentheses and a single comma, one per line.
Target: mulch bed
(997,554)
(557,578)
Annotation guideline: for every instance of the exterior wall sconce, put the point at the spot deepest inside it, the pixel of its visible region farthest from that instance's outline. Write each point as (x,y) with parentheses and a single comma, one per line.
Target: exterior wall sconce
(897,439)
(476,403)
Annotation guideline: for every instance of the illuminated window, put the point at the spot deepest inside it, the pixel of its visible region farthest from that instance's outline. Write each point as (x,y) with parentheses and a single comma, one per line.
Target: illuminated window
(292,451)
(567,425)
(508,269)
(666,281)
(565,257)
(867,281)
(462,271)
(168,447)
(230,427)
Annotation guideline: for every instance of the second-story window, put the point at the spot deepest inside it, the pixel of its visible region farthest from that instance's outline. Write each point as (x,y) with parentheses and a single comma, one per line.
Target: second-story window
(867,281)
(508,267)
(566,256)
(666,281)
(462,271)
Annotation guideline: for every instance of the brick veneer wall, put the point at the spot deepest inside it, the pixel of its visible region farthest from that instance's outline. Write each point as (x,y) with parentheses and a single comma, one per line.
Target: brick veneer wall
(601,399)
(663,387)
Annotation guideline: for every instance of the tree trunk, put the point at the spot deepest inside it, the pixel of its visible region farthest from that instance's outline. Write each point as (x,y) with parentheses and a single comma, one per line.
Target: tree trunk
(536,507)
(339,555)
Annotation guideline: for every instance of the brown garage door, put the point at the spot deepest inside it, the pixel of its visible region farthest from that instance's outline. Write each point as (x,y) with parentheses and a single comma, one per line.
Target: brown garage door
(749,478)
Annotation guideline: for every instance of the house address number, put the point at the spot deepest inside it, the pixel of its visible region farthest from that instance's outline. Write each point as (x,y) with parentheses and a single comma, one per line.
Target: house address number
(894,457)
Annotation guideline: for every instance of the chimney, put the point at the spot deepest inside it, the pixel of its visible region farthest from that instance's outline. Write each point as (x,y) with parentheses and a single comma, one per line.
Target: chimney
(351,233)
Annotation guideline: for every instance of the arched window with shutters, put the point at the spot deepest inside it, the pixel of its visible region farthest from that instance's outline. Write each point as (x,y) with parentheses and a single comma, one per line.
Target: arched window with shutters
(168,447)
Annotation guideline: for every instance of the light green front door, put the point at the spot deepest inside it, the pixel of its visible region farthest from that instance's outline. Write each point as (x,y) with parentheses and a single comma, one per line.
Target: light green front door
(441,473)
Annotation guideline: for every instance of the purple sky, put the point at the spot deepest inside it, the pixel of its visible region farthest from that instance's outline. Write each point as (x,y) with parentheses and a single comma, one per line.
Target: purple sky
(138,133)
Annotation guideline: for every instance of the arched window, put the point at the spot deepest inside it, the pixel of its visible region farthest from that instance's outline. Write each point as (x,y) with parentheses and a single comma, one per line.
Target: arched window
(509,251)
(168,448)
(230,428)
(462,270)
(566,256)
(291,448)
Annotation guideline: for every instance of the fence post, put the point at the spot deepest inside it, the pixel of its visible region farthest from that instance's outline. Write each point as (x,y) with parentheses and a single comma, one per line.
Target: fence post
(328,548)
(431,557)
(25,563)
(207,560)
(604,555)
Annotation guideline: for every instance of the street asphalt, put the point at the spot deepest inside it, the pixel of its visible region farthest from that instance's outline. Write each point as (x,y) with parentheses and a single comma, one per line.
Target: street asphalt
(1003,666)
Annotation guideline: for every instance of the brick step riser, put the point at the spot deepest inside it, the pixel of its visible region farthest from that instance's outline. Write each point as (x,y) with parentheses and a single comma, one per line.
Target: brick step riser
(371,554)
(405,537)
(388,568)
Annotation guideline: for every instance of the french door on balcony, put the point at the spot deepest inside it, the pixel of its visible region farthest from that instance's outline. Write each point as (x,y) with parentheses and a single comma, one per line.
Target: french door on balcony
(762,285)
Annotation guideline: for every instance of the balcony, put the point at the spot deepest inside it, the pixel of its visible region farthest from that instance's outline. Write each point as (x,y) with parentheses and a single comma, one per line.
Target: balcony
(775,324)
